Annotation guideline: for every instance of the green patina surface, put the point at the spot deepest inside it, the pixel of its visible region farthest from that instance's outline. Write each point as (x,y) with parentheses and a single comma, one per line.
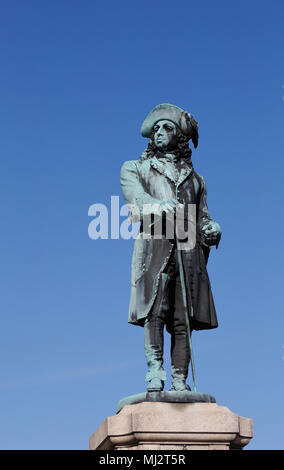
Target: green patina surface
(167,396)
(164,179)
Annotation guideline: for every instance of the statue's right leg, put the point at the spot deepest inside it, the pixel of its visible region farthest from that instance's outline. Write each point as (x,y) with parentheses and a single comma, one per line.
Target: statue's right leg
(154,338)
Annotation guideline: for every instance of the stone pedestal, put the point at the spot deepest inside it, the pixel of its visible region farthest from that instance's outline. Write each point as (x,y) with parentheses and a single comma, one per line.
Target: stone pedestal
(173,426)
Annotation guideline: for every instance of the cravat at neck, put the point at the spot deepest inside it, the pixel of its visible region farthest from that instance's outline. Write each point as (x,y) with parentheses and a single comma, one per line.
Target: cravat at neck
(169,156)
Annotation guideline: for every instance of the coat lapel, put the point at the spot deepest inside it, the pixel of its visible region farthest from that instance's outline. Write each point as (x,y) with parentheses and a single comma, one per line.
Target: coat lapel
(158,166)
(185,172)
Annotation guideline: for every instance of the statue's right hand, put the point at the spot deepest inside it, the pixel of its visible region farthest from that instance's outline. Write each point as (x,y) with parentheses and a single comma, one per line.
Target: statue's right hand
(169,206)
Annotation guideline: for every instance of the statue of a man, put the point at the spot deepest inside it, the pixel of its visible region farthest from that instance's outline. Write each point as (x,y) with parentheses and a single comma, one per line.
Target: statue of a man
(164,179)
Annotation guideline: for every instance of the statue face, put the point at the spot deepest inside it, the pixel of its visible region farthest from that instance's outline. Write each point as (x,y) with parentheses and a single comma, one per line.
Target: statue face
(165,135)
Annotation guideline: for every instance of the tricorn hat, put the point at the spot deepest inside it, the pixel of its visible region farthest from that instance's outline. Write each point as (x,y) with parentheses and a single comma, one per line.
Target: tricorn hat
(185,121)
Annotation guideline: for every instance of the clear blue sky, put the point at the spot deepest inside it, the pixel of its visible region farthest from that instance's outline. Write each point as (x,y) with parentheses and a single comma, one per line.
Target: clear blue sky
(77,80)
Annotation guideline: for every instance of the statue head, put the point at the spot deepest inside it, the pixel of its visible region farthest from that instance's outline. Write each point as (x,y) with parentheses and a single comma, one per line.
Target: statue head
(165,135)
(169,128)
(181,120)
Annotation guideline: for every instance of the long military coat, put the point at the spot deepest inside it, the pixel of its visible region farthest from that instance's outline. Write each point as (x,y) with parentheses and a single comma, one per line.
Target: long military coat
(149,182)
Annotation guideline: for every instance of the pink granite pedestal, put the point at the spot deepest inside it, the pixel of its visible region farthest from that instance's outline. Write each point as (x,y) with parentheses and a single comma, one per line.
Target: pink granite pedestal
(173,426)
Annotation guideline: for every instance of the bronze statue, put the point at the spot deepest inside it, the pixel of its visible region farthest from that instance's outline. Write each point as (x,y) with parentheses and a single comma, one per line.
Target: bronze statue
(169,286)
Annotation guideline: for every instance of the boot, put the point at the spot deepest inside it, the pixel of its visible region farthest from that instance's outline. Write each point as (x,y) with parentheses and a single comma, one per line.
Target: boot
(155,385)
(156,379)
(179,385)
(178,381)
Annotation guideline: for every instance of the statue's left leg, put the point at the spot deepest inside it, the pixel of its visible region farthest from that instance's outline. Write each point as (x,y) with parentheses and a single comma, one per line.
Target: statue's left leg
(180,354)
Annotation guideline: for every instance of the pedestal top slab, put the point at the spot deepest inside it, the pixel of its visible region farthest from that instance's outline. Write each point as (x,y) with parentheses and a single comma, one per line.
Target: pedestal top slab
(170,425)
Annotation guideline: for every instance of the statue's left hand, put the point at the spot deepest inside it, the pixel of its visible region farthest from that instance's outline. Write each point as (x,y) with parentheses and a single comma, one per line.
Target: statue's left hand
(212,233)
